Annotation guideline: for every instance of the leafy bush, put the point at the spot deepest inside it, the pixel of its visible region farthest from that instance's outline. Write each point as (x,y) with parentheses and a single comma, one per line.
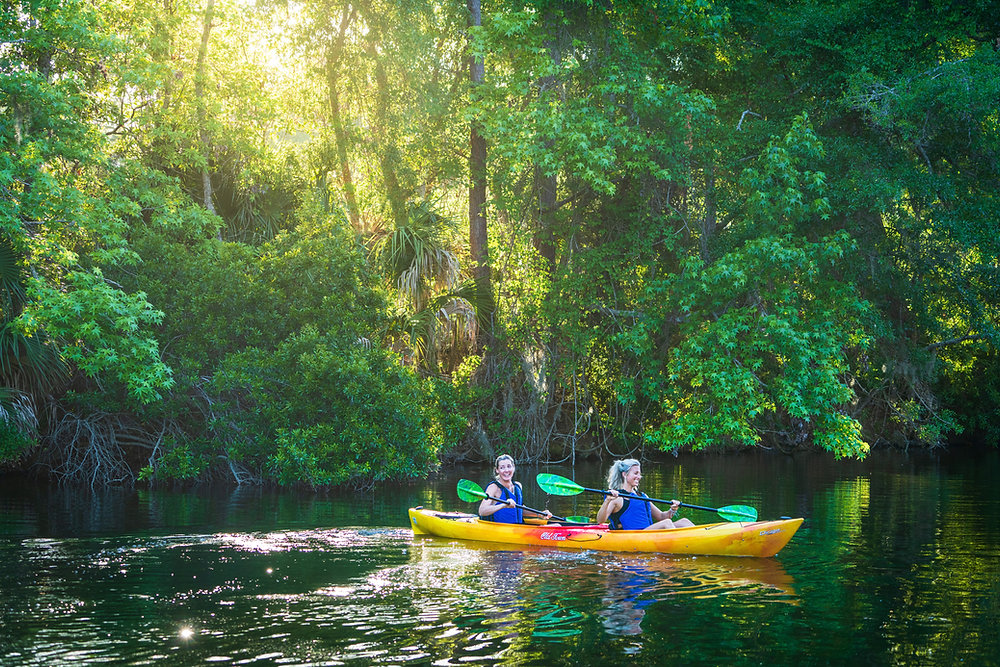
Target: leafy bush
(280,374)
(318,412)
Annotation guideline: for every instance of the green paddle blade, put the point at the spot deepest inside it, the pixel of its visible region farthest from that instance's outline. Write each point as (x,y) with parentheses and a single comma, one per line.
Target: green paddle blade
(469,491)
(558,486)
(578,519)
(738,513)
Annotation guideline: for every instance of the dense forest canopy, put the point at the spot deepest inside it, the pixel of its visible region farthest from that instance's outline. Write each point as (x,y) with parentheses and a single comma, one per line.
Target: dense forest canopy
(328,242)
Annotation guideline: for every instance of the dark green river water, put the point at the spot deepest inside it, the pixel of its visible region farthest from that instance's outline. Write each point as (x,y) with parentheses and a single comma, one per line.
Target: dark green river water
(897,563)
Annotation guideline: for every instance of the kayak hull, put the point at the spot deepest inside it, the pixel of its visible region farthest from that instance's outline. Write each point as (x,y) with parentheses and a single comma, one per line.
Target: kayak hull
(758,538)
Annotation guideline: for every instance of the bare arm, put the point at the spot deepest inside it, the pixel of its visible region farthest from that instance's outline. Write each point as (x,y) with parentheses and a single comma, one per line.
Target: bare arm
(491,506)
(660,515)
(611,504)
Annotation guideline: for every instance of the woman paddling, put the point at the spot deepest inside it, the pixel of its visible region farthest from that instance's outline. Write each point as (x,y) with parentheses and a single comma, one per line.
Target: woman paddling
(629,513)
(504,488)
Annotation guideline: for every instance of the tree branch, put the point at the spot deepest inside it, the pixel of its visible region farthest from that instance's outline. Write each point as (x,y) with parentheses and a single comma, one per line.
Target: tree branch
(954,341)
(744,115)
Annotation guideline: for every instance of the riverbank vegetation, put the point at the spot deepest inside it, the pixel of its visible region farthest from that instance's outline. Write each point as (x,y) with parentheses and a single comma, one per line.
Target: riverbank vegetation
(329,242)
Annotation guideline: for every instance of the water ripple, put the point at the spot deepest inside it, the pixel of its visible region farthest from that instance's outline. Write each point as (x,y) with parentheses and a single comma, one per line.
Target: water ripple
(339,596)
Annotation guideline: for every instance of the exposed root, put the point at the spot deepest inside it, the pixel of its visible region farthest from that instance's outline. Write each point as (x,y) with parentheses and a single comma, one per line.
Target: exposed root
(96,448)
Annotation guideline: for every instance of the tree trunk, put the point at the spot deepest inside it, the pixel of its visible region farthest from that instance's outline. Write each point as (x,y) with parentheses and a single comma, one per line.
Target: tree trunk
(709,223)
(478,242)
(389,155)
(545,198)
(340,135)
(545,184)
(202,109)
(162,54)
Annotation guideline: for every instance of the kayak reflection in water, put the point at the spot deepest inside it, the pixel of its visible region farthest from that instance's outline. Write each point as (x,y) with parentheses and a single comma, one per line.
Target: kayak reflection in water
(508,492)
(628,513)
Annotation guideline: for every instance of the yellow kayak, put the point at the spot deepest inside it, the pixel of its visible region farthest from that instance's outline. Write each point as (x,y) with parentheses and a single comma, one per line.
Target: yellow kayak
(737,538)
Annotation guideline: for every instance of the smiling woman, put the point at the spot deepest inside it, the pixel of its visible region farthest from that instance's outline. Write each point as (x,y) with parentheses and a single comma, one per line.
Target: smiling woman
(624,508)
(506,497)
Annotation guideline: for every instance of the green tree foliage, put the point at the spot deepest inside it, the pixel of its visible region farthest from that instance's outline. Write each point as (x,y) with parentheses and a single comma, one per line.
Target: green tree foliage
(64,219)
(588,148)
(939,125)
(902,97)
(316,412)
(233,231)
(380,91)
(438,314)
(653,233)
(702,93)
(758,337)
(282,363)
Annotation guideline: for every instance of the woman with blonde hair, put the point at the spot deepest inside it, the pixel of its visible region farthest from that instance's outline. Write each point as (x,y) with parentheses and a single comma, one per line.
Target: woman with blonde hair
(623,513)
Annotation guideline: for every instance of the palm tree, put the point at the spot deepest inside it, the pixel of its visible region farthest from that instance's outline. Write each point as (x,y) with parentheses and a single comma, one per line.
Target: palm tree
(416,256)
(439,312)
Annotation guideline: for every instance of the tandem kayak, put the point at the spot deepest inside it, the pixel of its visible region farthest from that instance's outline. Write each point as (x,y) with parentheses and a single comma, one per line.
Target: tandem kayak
(737,538)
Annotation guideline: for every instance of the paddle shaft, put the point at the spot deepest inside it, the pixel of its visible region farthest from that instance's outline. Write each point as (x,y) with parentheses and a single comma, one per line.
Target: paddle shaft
(540,513)
(651,500)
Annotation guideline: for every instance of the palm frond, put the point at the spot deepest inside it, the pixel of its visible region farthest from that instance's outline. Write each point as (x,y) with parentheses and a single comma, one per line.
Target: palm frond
(18,410)
(12,294)
(29,363)
(479,295)
(450,318)
(416,256)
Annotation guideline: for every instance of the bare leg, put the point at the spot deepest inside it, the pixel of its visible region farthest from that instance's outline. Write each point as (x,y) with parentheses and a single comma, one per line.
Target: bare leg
(667,523)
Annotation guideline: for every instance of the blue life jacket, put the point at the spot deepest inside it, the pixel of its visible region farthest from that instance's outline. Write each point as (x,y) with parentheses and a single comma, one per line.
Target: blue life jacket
(634,515)
(507,514)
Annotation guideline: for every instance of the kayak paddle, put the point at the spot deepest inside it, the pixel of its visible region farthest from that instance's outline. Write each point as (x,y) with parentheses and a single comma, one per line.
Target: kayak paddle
(470,492)
(560,486)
